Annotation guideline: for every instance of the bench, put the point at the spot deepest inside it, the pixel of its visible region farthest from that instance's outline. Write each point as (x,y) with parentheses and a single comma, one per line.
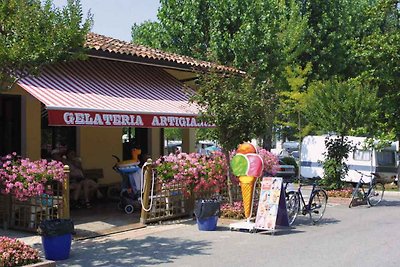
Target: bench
(111,190)
(94,174)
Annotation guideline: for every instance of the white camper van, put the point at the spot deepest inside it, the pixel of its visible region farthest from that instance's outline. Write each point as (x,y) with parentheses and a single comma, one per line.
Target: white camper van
(383,162)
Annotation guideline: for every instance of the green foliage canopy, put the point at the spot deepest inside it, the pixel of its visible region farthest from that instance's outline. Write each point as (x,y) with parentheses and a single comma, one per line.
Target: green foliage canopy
(235,105)
(341,106)
(34,33)
(292,44)
(261,37)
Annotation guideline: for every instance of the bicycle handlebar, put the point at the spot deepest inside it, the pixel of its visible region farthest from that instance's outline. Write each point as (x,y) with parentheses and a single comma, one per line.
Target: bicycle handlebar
(372,174)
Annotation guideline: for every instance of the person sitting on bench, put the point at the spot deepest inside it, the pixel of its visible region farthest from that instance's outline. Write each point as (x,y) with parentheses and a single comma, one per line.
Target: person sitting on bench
(74,185)
(76,174)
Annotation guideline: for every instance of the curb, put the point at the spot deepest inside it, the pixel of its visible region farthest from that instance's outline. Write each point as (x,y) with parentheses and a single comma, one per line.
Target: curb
(391,193)
(339,200)
(44,263)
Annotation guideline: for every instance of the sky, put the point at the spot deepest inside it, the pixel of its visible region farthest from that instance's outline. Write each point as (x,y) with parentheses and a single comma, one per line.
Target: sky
(114,18)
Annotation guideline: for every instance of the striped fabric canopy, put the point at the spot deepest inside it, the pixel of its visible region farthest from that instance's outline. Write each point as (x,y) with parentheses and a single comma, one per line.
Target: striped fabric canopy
(101,92)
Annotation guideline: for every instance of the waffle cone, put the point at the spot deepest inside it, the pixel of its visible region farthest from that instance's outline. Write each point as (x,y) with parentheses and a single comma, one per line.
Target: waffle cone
(247,186)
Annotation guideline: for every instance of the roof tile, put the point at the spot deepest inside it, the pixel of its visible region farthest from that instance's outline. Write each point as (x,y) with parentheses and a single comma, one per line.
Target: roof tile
(108,44)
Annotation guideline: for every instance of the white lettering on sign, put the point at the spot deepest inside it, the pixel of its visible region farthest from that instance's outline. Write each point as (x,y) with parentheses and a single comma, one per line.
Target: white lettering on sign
(171,121)
(77,118)
(68,118)
(112,119)
(98,120)
(155,121)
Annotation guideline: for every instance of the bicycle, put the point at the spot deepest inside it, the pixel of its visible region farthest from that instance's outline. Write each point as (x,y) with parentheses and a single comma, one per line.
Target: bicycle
(315,206)
(373,195)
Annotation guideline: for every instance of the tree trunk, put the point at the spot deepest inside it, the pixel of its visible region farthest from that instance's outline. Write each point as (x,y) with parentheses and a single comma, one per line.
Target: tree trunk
(267,139)
(228,174)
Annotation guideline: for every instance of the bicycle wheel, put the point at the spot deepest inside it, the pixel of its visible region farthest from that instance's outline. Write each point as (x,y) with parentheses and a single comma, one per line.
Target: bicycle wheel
(318,205)
(356,196)
(292,205)
(375,194)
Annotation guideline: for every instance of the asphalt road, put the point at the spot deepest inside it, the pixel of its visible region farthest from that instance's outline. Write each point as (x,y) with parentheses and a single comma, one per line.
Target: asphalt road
(360,236)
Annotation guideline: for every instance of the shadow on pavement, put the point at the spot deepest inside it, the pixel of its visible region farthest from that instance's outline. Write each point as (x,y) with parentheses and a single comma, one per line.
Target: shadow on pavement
(133,252)
(389,203)
(305,220)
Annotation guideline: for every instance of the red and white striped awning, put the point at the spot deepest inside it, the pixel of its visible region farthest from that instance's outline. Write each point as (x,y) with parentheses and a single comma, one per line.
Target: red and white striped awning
(100,92)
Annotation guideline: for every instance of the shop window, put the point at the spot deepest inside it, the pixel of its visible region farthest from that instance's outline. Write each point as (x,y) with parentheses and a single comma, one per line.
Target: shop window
(56,137)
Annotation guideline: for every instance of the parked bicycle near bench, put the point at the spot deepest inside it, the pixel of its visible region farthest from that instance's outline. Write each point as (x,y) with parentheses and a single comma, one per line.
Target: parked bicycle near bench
(373,194)
(295,202)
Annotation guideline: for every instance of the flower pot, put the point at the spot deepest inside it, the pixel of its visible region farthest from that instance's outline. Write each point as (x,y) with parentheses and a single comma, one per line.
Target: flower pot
(207,224)
(57,247)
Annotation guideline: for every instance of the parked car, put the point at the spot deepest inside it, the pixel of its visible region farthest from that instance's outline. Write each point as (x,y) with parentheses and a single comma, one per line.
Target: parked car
(285,170)
(295,154)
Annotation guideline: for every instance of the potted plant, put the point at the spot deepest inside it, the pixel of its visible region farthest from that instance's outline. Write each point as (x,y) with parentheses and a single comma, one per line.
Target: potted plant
(197,174)
(14,252)
(24,178)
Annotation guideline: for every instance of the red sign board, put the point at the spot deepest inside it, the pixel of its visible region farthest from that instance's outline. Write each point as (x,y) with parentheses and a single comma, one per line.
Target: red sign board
(108,119)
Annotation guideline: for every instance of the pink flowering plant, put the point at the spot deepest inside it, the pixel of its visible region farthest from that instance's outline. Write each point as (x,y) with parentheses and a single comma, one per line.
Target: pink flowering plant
(14,252)
(271,162)
(24,178)
(201,173)
(197,173)
(236,210)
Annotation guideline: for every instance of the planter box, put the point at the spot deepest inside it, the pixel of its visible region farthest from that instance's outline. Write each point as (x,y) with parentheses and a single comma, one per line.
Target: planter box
(44,263)
(4,211)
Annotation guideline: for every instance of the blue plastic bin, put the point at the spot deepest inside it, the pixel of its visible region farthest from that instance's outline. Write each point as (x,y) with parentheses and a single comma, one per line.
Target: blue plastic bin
(207,224)
(57,247)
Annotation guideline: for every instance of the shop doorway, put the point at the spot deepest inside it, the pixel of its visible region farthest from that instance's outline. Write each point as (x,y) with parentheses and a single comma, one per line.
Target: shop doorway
(10,124)
(135,138)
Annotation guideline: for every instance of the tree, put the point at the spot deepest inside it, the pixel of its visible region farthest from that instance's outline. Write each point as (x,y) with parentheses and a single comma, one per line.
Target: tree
(378,51)
(340,107)
(331,27)
(173,134)
(34,33)
(261,37)
(236,106)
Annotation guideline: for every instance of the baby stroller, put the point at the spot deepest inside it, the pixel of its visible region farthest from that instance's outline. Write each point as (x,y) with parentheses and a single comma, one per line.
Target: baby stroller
(130,187)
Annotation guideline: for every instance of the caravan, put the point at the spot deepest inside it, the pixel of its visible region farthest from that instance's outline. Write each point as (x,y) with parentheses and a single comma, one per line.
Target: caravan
(382,162)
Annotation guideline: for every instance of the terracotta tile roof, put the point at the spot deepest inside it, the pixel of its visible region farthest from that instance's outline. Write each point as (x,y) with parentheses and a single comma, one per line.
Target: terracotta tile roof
(108,44)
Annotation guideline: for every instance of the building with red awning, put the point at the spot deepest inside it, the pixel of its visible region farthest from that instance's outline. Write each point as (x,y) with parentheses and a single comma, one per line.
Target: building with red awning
(85,105)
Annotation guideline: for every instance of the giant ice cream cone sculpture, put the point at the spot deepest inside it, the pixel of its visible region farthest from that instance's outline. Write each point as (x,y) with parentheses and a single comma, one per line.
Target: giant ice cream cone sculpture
(247,186)
(248,166)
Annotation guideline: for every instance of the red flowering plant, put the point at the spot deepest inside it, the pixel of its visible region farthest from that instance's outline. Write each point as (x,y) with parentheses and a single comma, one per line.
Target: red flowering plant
(24,178)
(14,252)
(197,173)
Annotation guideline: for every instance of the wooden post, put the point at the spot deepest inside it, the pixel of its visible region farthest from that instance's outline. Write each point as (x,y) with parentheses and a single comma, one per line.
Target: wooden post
(148,171)
(65,214)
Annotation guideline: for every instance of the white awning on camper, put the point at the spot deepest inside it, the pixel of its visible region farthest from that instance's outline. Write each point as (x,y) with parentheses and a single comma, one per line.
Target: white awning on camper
(99,92)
